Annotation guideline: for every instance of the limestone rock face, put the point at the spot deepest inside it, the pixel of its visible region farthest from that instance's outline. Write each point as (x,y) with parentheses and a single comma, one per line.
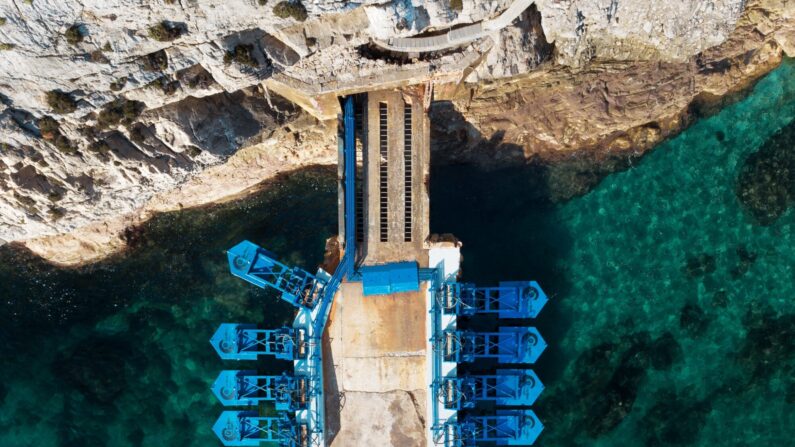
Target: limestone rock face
(107,105)
(630,29)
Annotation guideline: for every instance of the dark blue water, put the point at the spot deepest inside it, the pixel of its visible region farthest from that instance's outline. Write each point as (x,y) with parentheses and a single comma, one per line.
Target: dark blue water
(672,320)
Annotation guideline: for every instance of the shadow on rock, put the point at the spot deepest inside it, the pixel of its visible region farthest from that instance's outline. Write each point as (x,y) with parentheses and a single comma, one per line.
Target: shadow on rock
(454,140)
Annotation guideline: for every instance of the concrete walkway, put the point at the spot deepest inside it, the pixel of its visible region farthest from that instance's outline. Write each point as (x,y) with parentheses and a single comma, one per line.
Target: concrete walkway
(456,37)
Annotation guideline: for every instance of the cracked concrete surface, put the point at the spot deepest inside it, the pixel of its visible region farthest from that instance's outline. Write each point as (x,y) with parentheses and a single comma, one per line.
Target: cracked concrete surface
(375,368)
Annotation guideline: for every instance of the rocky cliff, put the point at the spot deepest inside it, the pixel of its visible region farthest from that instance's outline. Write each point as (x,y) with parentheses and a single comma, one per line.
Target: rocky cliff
(111,110)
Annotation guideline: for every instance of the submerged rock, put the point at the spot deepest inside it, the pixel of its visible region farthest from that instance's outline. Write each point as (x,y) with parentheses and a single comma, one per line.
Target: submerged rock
(608,400)
(766,184)
(720,299)
(769,344)
(746,259)
(674,420)
(693,320)
(665,351)
(699,265)
(96,367)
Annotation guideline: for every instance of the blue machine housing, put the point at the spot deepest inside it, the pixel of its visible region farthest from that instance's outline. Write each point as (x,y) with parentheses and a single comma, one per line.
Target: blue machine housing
(247,388)
(506,427)
(234,341)
(506,388)
(511,299)
(395,277)
(247,428)
(521,345)
(259,267)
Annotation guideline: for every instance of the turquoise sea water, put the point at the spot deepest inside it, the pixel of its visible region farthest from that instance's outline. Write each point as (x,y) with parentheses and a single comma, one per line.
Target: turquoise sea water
(672,319)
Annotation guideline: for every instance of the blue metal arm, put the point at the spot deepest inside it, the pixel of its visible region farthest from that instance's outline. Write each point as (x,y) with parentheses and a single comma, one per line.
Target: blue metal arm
(259,267)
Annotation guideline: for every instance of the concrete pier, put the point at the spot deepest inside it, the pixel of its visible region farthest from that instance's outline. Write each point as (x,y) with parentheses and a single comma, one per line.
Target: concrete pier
(376,347)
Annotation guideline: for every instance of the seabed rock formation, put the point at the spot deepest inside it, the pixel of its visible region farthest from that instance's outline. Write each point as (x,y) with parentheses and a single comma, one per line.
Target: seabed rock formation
(113,110)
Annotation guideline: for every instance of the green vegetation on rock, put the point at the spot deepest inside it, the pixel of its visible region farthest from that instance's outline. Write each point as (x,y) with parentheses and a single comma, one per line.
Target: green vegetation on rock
(100,147)
(242,54)
(166,31)
(51,131)
(97,56)
(285,9)
(121,111)
(6,46)
(157,61)
(118,84)
(74,34)
(61,102)
(165,84)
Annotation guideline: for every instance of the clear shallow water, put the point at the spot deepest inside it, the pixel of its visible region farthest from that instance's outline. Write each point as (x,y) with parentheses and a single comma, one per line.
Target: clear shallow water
(671,323)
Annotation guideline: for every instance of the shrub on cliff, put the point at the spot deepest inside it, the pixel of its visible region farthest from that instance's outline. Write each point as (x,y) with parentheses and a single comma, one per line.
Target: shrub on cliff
(166,31)
(157,61)
(121,111)
(6,46)
(61,102)
(51,131)
(457,5)
(294,9)
(74,34)
(2,21)
(242,54)
(118,84)
(164,83)
(48,127)
(99,147)
(98,57)
(137,133)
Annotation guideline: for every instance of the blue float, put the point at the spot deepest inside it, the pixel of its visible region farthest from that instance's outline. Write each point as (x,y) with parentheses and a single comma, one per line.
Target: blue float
(247,388)
(506,427)
(248,429)
(511,299)
(245,342)
(506,388)
(521,345)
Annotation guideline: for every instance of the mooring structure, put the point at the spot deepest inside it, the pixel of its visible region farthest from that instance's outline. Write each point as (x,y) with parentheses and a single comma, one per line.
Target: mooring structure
(389,326)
